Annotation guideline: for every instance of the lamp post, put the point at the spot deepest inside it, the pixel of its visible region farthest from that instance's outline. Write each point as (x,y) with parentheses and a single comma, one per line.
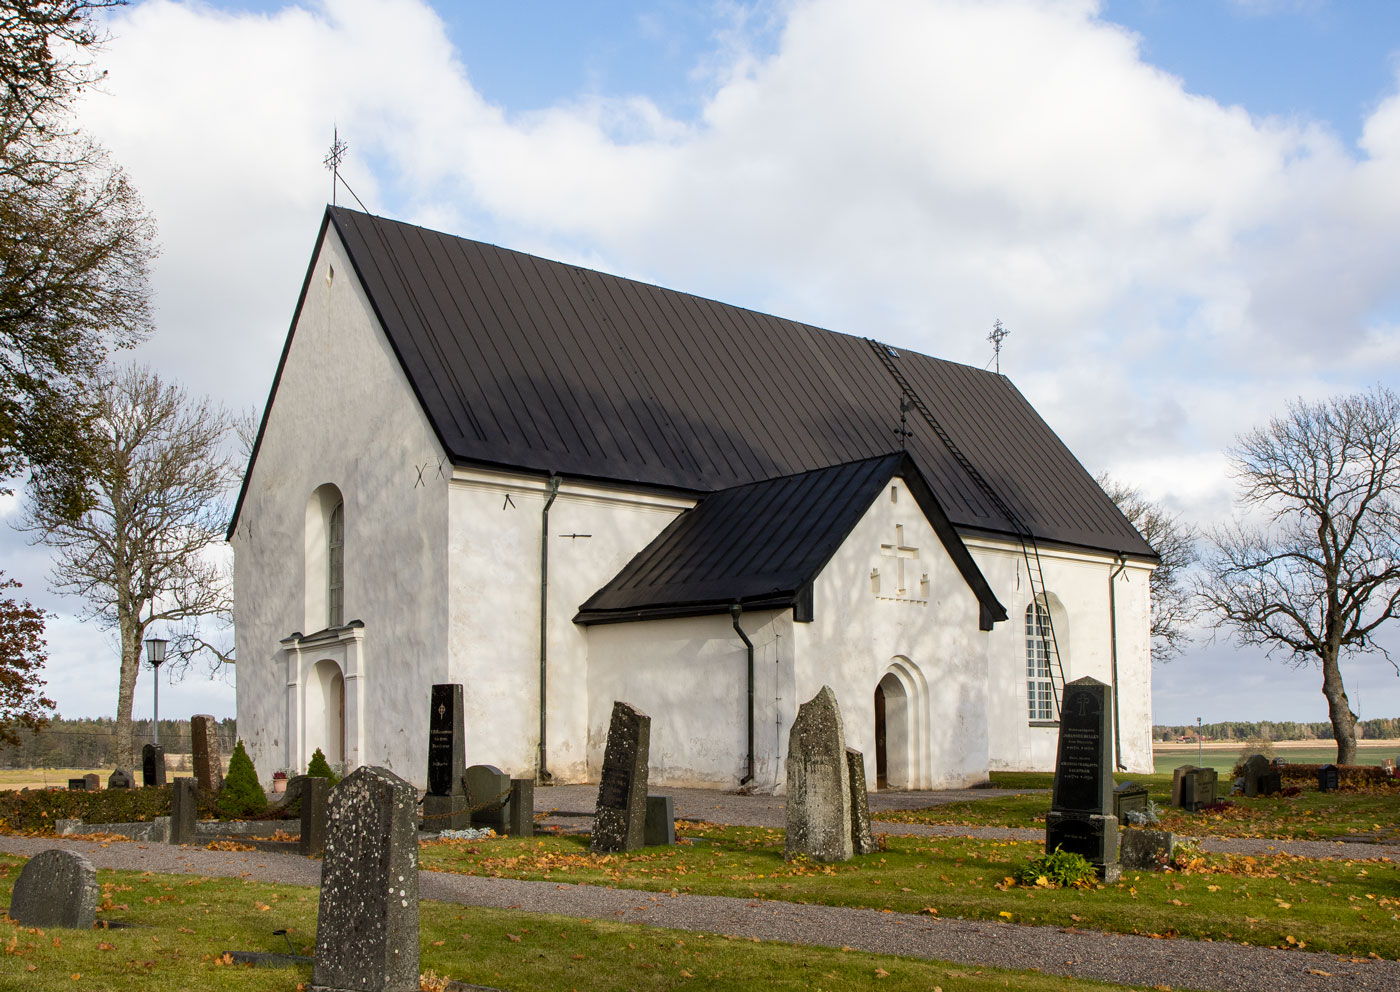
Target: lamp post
(155,654)
(1199,745)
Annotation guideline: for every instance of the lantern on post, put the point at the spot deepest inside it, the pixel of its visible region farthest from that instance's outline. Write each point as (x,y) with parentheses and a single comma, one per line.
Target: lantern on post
(155,655)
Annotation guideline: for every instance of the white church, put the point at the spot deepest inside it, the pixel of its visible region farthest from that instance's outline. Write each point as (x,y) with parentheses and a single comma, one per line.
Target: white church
(562,488)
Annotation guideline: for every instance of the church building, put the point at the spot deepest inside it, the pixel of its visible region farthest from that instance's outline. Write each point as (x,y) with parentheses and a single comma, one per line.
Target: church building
(562,488)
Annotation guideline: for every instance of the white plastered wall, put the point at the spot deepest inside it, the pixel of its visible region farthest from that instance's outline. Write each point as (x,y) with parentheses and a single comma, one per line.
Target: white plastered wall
(343,415)
(1077,582)
(928,638)
(494,570)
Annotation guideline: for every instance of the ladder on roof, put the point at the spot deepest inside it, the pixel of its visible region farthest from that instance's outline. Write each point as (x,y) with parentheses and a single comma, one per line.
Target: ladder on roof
(1041,626)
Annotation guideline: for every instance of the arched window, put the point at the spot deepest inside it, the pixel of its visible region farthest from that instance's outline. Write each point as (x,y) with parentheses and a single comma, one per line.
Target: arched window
(1039,656)
(335,570)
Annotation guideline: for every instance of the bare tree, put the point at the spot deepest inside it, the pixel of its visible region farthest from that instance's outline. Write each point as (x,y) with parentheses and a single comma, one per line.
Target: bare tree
(1317,571)
(147,550)
(1174,540)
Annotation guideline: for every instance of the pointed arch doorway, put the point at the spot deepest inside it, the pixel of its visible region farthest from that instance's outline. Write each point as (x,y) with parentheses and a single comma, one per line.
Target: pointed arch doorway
(901,737)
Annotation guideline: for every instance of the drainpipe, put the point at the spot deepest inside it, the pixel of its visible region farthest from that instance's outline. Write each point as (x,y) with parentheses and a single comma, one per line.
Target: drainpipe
(1113,657)
(735,611)
(553,490)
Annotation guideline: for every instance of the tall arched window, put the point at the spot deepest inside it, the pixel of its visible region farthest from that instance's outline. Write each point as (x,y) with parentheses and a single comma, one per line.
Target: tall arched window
(1039,649)
(335,570)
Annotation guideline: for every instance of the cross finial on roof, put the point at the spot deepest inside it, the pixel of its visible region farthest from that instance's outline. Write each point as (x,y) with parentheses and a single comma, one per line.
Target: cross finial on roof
(333,159)
(998,335)
(902,431)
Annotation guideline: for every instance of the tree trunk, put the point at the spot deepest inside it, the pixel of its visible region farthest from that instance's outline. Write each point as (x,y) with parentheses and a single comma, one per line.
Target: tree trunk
(1339,709)
(124,749)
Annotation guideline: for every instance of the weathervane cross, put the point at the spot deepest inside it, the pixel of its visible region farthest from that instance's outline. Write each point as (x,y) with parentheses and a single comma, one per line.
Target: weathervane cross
(998,335)
(333,159)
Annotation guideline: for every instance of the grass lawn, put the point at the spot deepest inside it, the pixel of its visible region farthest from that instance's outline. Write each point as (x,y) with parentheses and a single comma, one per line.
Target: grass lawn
(1343,907)
(181,925)
(1371,813)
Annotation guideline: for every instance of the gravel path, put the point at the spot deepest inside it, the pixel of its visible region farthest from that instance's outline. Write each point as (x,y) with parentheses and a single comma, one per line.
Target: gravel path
(1181,964)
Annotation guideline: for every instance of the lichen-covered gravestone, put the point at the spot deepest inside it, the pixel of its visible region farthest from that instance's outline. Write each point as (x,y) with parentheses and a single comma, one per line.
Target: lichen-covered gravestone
(153,766)
(620,818)
(367,925)
(862,842)
(204,752)
(1081,816)
(57,888)
(120,779)
(818,783)
(445,805)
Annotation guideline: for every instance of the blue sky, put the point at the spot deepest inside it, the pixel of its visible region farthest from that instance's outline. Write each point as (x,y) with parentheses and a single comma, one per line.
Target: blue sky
(1186,213)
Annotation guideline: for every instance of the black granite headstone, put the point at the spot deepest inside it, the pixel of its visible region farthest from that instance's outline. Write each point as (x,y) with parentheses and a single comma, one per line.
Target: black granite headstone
(1081,816)
(522,808)
(314,793)
(1328,778)
(367,922)
(619,821)
(661,821)
(447,747)
(153,766)
(77,785)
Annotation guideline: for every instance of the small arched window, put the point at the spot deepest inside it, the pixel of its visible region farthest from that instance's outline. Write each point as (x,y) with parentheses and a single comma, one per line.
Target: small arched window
(1040,649)
(335,570)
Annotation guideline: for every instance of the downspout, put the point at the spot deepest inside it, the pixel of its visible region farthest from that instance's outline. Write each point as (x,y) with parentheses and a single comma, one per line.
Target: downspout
(542,774)
(735,611)
(1113,657)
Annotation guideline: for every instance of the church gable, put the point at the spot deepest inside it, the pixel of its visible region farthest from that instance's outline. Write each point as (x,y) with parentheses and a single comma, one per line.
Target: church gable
(762,545)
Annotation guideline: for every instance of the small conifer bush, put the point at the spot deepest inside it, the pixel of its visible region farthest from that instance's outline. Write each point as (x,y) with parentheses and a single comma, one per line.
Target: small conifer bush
(242,795)
(321,768)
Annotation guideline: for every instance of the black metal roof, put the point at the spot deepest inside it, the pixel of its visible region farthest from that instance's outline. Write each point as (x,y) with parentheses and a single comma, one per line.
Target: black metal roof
(760,545)
(525,363)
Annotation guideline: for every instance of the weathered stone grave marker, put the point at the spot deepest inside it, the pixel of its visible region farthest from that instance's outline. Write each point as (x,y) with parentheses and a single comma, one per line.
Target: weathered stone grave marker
(367,924)
(153,766)
(1081,816)
(120,779)
(445,805)
(818,783)
(661,821)
(204,753)
(488,797)
(1147,850)
(184,811)
(93,782)
(1261,777)
(314,792)
(522,807)
(619,819)
(862,841)
(57,888)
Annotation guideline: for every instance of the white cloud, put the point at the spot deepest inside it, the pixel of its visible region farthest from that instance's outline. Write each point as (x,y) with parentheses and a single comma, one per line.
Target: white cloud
(1172,270)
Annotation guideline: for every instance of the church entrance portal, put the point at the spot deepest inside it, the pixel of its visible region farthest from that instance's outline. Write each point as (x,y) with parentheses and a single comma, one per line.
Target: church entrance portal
(892,730)
(325,722)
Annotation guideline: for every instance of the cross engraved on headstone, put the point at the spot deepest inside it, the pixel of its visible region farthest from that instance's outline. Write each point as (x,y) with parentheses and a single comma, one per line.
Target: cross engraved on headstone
(900,553)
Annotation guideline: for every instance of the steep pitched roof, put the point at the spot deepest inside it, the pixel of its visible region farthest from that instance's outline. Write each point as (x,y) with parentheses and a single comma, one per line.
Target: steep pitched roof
(525,363)
(760,545)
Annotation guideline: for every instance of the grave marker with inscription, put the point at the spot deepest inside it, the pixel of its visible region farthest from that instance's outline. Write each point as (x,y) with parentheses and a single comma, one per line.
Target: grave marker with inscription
(56,888)
(153,766)
(818,783)
(619,821)
(1081,816)
(445,805)
(488,797)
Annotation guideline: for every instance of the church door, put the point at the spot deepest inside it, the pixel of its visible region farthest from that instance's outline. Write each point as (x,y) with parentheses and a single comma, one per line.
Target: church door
(881,761)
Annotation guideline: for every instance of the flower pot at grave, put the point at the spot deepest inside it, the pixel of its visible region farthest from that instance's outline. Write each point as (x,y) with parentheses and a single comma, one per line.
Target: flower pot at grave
(279,785)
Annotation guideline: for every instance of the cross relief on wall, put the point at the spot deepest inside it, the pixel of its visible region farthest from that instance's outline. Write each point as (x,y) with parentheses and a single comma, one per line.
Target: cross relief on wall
(901,561)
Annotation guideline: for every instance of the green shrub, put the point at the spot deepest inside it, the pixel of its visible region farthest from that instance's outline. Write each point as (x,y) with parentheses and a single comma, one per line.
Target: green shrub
(1060,868)
(241,795)
(321,768)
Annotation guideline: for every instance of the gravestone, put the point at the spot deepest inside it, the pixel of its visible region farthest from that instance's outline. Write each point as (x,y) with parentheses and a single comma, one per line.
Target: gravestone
(1129,798)
(204,753)
(153,766)
(1177,774)
(1148,850)
(522,807)
(184,811)
(93,782)
(818,783)
(445,805)
(862,842)
(620,817)
(488,797)
(1261,777)
(57,888)
(367,923)
(1081,816)
(77,785)
(314,792)
(1200,788)
(1328,778)
(120,779)
(661,821)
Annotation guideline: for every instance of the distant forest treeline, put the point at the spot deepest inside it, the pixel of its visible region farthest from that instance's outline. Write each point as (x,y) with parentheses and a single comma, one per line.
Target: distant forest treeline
(88,743)
(1382,728)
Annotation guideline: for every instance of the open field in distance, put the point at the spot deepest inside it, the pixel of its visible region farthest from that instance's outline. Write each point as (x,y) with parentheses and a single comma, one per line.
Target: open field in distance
(1222,755)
